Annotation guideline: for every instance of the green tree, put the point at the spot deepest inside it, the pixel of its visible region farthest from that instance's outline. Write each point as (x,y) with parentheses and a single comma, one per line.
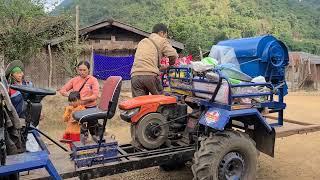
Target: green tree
(204,23)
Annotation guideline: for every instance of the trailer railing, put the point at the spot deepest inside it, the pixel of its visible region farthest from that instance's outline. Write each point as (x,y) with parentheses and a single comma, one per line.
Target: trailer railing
(183,79)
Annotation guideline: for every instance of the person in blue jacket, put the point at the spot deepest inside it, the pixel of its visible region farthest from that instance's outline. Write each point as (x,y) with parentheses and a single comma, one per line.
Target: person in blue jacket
(14,74)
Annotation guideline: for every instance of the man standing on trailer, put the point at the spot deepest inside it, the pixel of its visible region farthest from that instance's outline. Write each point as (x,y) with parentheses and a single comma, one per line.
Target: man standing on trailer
(146,67)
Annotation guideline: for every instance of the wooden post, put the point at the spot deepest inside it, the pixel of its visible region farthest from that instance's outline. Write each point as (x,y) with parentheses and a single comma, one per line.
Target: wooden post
(77,24)
(292,77)
(201,55)
(77,29)
(2,68)
(309,66)
(303,74)
(50,66)
(91,61)
(315,73)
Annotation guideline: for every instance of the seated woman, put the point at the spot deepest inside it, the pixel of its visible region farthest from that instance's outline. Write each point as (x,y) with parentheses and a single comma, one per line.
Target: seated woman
(88,87)
(14,74)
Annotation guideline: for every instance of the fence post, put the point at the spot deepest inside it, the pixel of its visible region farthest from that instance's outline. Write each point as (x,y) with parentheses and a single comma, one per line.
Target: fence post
(293,88)
(50,66)
(91,61)
(2,65)
(201,55)
(316,75)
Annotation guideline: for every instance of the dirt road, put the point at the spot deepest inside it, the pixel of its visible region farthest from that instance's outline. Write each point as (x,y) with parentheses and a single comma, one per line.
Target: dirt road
(296,157)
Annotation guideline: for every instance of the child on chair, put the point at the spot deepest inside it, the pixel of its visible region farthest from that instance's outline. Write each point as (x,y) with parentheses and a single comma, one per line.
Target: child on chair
(72,132)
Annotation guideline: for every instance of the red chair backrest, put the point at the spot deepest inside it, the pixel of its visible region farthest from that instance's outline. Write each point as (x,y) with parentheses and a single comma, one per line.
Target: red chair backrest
(110,92)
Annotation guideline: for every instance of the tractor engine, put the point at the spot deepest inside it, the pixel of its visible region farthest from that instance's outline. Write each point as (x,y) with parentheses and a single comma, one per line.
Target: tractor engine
(156,120)
(177,125)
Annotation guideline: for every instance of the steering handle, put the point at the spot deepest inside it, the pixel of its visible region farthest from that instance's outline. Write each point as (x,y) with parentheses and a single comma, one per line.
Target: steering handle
(33,90)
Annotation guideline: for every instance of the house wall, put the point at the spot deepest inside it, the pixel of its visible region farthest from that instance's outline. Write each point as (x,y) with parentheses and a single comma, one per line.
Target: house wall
(106,41)
(294,76)
(113,41)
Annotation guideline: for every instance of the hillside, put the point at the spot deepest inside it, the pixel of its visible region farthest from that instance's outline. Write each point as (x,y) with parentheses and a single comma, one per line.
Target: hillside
(203,23)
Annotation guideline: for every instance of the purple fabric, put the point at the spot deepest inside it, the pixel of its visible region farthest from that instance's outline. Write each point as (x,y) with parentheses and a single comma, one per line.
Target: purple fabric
(105,66)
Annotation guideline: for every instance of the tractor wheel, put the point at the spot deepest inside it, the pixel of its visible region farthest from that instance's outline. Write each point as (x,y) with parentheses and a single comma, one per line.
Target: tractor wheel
(224,156)
(134,140)
(151,131)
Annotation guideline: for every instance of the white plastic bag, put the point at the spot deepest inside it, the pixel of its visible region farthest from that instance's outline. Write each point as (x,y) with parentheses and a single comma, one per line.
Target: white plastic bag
(222,95)
(224,55)
(199,66)
(259,79)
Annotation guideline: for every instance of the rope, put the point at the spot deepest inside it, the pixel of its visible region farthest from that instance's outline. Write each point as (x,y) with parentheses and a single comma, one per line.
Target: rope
(250,61)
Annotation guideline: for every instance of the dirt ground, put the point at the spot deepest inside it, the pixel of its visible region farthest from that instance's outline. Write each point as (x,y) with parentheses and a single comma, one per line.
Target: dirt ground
(296,157)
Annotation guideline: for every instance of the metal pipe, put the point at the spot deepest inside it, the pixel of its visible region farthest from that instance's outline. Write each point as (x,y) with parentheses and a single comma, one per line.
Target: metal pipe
(280,115)
(104,126)
(176,119)
(56,143)
(151,152)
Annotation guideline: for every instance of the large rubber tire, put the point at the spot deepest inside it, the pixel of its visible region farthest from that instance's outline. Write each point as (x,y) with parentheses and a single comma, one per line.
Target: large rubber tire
(145,124)
(223,152)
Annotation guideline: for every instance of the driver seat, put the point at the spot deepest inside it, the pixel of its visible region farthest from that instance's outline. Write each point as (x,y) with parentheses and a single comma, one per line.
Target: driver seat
(110,94)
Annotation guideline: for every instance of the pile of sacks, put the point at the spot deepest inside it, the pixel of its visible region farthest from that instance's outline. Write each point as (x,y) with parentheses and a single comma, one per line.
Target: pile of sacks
(229,68)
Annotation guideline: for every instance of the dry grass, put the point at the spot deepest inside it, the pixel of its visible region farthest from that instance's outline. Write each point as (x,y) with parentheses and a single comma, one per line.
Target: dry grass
(53,108)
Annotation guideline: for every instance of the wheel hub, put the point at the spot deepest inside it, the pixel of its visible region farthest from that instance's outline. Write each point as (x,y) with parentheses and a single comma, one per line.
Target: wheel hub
(231,167)
(153,130)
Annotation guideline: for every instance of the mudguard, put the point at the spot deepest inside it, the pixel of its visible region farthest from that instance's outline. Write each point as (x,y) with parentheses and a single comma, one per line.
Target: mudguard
(263,134)
(217,118)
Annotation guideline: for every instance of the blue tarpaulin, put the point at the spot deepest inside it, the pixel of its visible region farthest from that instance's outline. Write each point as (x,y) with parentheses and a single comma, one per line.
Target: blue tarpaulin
(105,66)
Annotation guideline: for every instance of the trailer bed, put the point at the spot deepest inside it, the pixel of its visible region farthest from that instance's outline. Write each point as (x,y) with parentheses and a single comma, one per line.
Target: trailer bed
(150,158)
(291,127)
(66,167)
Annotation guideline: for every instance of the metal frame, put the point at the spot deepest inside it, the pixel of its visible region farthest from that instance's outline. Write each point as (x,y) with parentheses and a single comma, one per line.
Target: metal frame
(130,158)
(276,106)
(30,161)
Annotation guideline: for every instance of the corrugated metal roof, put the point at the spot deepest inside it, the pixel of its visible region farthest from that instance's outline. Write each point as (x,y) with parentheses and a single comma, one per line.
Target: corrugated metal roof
(111,22)
(315,59)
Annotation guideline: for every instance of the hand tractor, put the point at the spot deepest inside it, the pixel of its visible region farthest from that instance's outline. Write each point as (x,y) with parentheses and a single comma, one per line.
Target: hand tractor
(211,124)
(226,136)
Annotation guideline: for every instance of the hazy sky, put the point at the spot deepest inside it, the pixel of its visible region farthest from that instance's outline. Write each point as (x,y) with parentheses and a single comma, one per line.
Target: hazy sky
(50,4)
